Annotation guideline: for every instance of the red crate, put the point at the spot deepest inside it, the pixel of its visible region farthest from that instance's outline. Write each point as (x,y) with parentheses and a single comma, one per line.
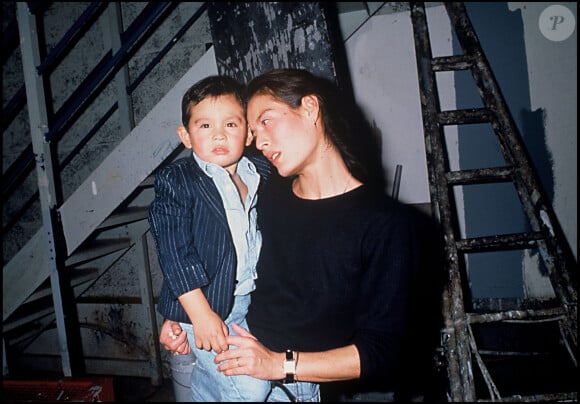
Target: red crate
(76,389)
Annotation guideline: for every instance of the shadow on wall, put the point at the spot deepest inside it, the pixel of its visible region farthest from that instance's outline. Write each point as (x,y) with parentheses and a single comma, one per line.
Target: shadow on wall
(421,375)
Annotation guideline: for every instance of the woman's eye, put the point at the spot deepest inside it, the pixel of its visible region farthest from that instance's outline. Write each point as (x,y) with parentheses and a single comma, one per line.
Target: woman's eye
(265,121)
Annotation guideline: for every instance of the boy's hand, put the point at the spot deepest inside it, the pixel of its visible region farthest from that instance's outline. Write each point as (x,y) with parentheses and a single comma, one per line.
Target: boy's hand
(174,338)
(210,332)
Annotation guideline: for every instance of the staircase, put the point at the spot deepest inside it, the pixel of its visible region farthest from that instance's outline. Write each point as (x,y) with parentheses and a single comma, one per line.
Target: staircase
(92,203)
(106,215)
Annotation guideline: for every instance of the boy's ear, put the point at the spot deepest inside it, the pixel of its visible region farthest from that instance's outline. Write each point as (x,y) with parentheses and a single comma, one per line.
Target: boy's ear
(184,136)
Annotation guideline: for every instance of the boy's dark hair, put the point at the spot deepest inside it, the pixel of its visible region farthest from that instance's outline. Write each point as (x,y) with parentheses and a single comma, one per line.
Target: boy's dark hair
(211,86)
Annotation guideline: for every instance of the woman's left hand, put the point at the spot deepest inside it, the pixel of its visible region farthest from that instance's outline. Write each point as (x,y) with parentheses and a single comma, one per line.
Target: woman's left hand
(249,357)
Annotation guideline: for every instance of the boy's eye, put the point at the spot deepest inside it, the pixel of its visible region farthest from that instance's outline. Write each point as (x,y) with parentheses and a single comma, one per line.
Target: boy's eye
(204,125)
(231,125)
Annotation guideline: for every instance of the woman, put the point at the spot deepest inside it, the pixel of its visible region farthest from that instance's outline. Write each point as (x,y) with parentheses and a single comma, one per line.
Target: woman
(338,255)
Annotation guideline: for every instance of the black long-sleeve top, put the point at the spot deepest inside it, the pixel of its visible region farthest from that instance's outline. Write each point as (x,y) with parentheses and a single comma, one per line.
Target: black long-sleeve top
(334,272)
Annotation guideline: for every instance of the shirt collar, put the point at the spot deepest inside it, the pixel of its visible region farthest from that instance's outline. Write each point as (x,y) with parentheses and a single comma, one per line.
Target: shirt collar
(211,168)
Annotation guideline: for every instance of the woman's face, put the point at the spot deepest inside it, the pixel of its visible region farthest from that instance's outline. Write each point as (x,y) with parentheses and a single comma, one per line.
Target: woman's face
(286,136)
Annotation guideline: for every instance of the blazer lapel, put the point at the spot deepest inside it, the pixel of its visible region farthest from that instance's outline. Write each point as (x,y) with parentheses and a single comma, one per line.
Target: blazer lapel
(207,191)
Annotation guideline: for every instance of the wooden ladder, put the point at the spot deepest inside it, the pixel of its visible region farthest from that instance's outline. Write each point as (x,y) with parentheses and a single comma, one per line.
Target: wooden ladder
(459,343)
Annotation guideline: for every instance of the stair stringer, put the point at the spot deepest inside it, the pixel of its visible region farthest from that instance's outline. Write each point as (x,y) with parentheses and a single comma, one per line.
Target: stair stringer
(131,162)
(147,146)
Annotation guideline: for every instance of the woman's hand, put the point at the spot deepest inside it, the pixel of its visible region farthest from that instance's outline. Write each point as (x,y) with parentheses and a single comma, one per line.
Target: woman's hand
(250,357)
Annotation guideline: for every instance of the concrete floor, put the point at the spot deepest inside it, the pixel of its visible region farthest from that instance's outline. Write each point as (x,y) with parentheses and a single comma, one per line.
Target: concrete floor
(138,389)
(85,389)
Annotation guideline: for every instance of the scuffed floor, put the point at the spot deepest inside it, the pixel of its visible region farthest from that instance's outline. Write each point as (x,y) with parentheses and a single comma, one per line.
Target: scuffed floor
(139,389)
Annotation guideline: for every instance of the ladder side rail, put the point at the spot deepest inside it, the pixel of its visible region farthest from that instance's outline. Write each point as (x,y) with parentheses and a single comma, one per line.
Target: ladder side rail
(460,372)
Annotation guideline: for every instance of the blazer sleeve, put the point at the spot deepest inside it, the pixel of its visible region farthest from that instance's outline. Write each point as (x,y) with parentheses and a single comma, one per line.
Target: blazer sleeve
(171,220)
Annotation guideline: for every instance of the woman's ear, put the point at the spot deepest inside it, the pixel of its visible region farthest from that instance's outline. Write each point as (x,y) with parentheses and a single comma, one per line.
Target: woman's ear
(249,137)
(184,136)
(310,105)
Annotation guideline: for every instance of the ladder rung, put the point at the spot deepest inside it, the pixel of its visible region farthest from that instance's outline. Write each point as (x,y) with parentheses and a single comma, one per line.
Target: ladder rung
(535,398)
(552,314)
(497,304)
(465,116)
(488,352)
(451,63)
(479,176)
(500,242)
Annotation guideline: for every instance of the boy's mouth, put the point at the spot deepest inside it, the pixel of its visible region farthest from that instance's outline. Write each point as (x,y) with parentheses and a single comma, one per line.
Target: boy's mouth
(220,150)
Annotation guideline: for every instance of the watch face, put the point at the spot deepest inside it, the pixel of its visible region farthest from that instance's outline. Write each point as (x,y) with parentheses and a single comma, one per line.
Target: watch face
(290,366)
(289,363)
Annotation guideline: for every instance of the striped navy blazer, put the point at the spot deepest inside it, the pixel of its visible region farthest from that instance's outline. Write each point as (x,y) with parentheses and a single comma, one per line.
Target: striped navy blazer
(195,248)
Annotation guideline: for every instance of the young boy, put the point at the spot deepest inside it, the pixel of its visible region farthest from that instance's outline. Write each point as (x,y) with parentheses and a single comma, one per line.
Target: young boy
(203,220)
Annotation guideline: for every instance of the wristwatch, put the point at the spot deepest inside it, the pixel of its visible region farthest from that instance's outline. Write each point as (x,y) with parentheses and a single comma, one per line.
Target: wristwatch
(289,366)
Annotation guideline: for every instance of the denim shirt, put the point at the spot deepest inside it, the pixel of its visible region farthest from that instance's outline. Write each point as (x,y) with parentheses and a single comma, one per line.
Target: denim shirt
(241,218)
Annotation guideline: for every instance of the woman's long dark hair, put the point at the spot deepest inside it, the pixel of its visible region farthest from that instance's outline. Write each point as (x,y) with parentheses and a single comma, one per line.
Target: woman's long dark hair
(290,85)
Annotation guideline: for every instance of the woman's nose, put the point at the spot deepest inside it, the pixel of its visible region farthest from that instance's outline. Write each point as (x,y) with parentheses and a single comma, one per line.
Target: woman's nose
(261,142)
(262,145)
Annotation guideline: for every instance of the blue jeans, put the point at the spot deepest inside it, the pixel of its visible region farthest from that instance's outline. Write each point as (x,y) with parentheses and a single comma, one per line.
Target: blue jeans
(302,392)
(208,384)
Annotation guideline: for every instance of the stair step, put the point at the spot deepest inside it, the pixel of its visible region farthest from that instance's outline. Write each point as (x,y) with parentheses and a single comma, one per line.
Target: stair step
(97,249)
(148,182)
(39,304)
(127,215)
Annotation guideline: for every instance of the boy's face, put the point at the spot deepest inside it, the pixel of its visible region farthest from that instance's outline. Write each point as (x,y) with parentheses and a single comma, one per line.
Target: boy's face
(217,131)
